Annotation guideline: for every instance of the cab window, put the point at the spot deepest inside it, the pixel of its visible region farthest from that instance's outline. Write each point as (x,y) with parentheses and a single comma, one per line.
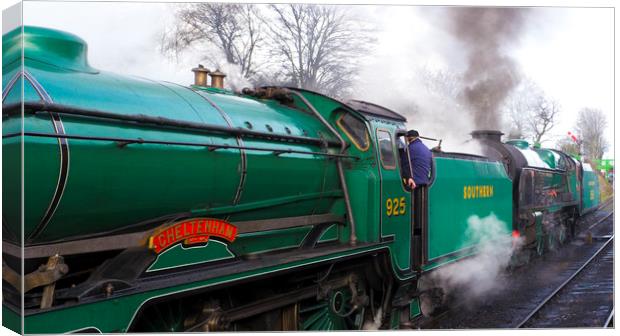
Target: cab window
(386,150)
(355,129)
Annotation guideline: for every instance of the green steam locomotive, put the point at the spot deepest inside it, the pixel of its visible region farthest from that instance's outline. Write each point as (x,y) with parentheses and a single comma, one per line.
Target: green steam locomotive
(138,205)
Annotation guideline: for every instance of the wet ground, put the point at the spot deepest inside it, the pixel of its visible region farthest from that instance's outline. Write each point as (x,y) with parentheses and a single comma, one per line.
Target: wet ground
(525,287)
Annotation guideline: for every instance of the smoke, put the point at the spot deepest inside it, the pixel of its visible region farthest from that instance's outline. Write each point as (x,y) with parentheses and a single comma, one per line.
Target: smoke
(447,70)
(491,74)
(479,276)
(427,98)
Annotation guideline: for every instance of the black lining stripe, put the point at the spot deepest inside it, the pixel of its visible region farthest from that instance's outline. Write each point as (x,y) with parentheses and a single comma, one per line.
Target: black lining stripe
(11,83)
(242,152)
(63,145)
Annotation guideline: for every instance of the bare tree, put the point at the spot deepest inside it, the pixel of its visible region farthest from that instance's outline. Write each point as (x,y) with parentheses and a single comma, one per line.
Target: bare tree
(444,83)
(532,113)
(568,146)
(514,108)
(542,117)
(318,47)
(590,125)
(234,29)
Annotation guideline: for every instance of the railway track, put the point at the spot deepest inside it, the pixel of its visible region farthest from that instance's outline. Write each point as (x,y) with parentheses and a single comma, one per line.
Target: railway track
(585,299)
(594,231)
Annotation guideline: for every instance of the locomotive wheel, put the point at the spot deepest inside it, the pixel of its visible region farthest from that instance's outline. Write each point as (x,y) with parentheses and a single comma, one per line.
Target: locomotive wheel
(336,311)
(165,317)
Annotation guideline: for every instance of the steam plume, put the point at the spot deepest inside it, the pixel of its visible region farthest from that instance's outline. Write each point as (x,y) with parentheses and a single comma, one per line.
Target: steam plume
(491,74)
(476,277)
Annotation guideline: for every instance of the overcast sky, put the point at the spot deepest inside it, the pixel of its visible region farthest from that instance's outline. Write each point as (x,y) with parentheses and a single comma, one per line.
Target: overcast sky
(567,51)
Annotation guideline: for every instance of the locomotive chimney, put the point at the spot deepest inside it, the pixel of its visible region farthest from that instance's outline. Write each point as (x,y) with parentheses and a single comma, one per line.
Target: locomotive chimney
(489,135)
(217,79)
(200,75)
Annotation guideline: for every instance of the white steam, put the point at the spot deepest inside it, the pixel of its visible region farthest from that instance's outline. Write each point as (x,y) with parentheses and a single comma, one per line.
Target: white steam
(478,276)
(234,77)
(376,322)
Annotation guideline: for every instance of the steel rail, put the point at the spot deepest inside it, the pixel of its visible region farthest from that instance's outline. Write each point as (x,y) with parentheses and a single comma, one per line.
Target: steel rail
(599,221)
(609,319)
(559,288)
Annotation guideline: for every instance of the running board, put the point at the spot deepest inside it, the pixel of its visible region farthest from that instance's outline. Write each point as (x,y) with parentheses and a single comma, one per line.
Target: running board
(137,239)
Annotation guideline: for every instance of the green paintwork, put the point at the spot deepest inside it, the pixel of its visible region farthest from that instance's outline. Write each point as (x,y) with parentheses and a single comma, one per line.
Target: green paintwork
(414,308)
(449,210)
(143,181)
(11,320)
(179,256)
(331,234)
(551,158)
(12,165)
(591,191)
(574,184)
(520,143)
(394,319)
(392,191)
(57,48)
(268,241)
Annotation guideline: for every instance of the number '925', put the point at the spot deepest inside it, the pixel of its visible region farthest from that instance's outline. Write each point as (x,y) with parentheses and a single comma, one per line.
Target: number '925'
(395,206)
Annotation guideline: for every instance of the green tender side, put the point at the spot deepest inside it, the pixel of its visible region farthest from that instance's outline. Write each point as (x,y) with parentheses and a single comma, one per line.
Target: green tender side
(110,187)
(465,189)
(573,182)
(591,191)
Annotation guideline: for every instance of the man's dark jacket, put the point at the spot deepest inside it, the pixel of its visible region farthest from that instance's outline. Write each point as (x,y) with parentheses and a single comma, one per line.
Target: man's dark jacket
(421,157)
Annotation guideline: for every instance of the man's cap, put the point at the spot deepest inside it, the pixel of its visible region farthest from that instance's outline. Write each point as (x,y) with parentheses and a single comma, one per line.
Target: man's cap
(413,133)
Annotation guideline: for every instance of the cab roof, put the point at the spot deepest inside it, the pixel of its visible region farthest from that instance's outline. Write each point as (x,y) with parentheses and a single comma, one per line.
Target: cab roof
(371,109)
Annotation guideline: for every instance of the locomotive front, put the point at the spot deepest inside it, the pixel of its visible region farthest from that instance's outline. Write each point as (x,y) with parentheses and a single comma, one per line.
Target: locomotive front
(106,154)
